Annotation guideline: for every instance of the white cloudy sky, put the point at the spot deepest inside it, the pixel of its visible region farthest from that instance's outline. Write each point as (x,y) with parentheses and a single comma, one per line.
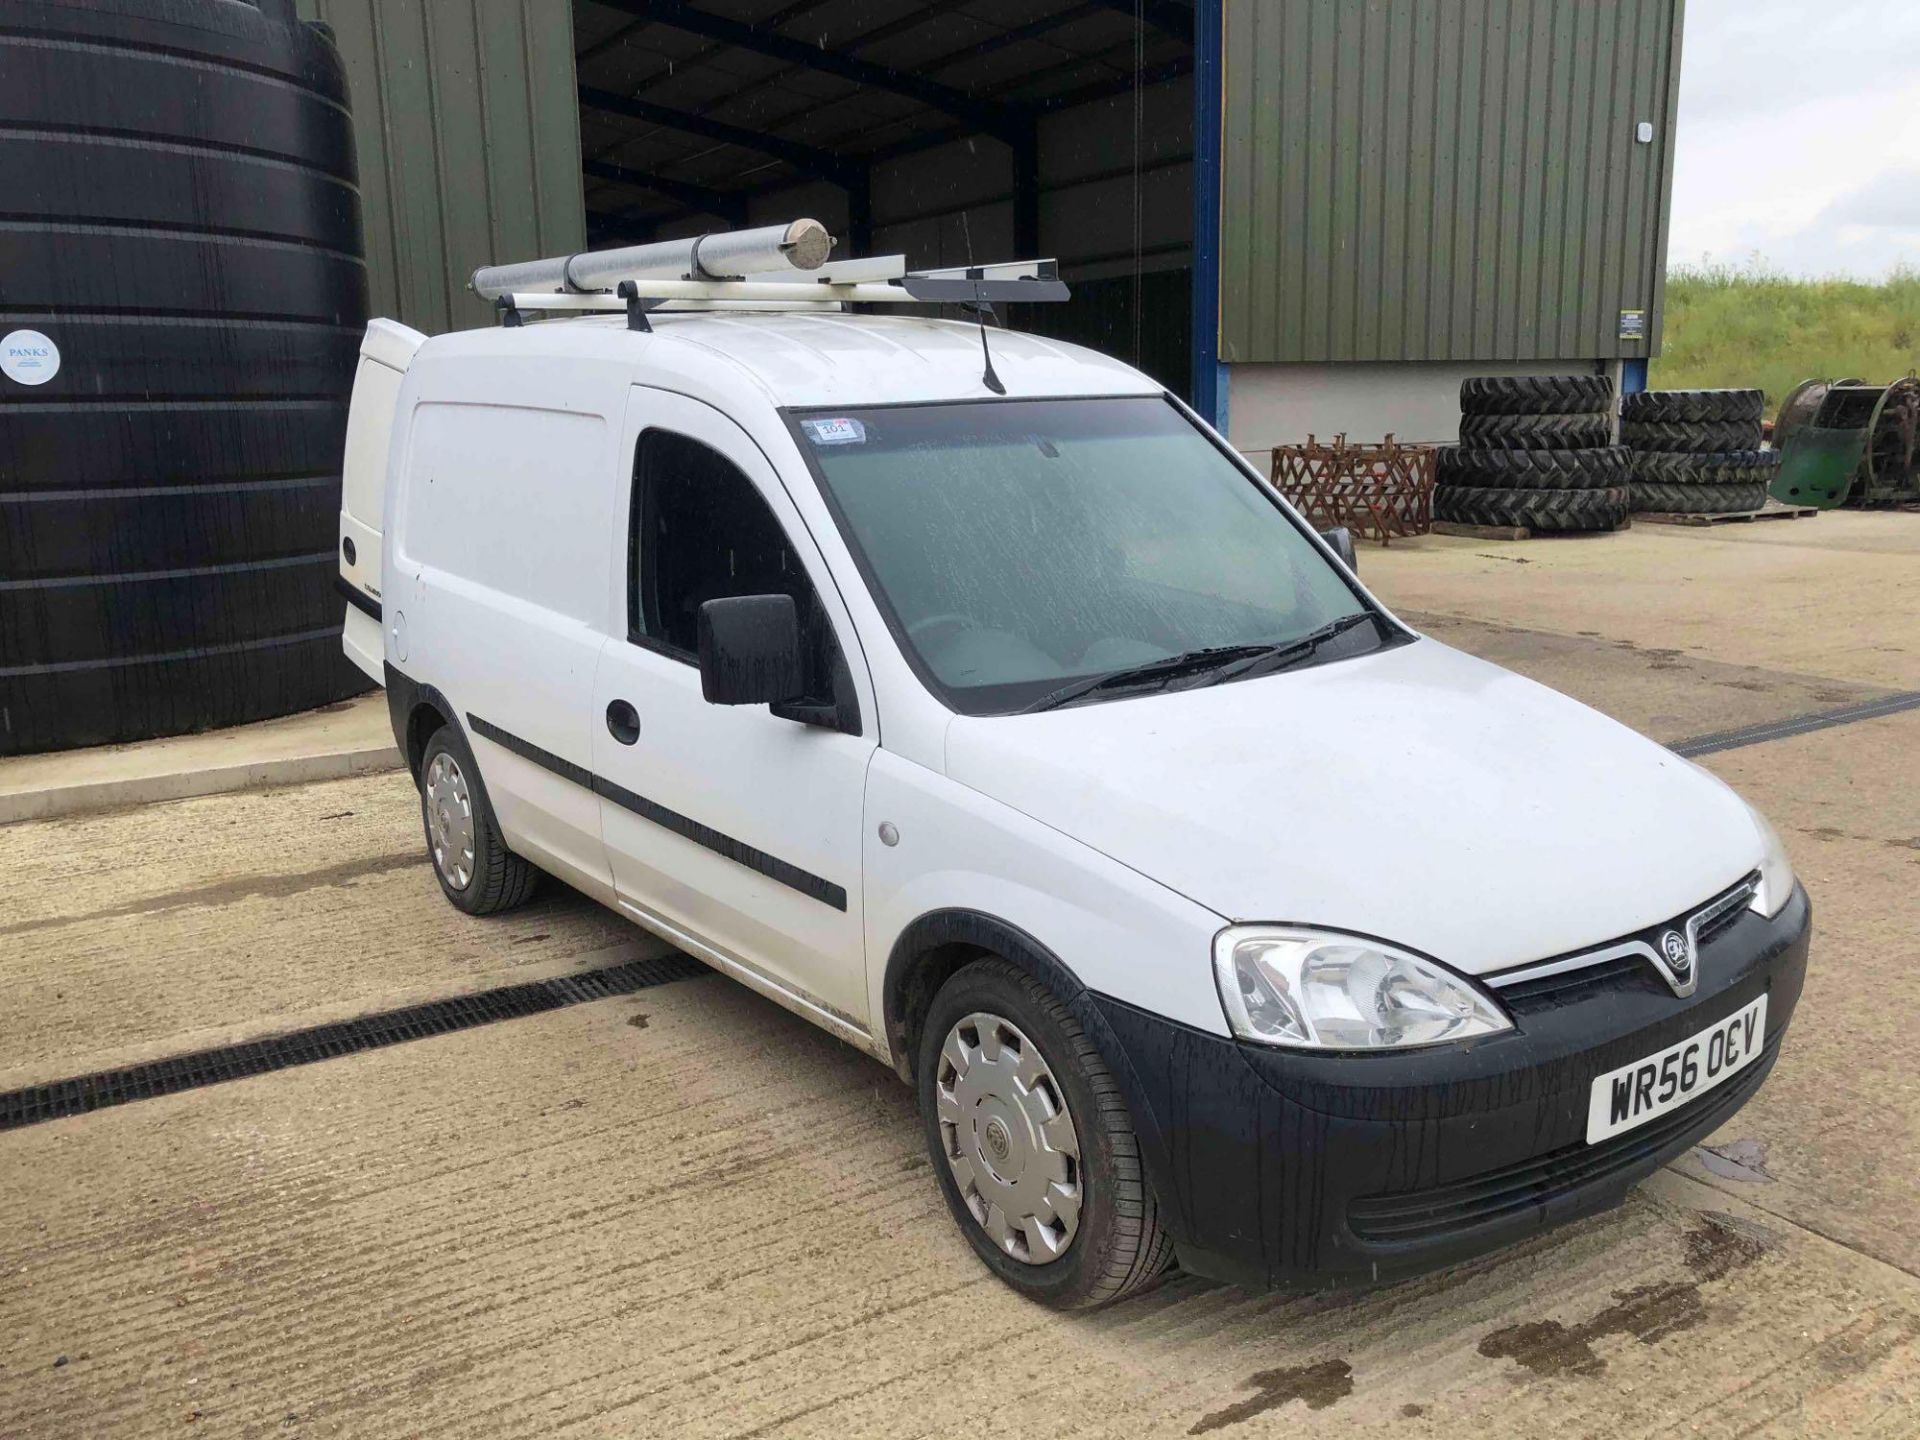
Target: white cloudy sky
(1799,136)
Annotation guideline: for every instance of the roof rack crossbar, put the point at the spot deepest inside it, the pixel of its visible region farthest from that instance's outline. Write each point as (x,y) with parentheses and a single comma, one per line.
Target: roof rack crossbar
(773,265)
(908,290)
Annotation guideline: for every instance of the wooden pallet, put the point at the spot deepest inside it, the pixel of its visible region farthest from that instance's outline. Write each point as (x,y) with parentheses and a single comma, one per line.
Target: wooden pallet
(1516,532)
(1771,511)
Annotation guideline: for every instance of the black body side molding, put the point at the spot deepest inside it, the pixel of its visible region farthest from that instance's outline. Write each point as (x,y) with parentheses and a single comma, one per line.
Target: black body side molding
(738,851)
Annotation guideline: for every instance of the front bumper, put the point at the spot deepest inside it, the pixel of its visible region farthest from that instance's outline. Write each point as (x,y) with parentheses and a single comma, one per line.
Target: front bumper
(1286,1168)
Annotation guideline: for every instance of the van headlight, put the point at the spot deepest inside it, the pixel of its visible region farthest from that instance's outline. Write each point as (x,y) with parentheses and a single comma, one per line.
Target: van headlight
(1776,872)
(1317,990)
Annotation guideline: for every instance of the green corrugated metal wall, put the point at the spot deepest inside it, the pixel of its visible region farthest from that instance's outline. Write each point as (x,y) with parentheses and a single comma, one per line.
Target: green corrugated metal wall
(468,127)
(1444,179)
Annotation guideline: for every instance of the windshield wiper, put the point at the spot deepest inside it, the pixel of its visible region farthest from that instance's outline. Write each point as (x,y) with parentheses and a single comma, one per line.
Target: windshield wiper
(1273,658)
(1228,662)
(1166,669)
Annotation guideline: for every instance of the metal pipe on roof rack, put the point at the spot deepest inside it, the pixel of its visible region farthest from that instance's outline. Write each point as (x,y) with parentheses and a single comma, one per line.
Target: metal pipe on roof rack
(980,285)
(785,292)
(796,247)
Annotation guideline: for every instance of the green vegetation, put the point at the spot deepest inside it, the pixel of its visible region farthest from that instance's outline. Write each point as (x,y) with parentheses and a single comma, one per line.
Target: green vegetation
(1739,327)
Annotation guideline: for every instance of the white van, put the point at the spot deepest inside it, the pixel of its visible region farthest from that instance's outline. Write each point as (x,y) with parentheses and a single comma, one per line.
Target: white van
(1029,742)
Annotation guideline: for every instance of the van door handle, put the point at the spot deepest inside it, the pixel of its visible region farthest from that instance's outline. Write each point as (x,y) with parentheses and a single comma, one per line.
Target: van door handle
(623,722)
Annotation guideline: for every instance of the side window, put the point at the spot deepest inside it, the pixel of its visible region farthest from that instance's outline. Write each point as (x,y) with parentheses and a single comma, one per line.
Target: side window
(702,532)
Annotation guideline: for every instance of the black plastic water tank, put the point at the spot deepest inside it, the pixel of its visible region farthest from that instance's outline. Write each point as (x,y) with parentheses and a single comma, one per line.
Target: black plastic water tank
(182,293)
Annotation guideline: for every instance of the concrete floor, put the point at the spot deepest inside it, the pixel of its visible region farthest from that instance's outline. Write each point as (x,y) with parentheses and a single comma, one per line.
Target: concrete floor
(686,1213)
(352,737)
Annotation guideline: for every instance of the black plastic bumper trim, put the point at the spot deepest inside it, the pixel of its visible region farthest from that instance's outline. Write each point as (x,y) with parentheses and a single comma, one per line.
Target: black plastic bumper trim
(1277,1168)
(357,597)
(1448,1209)
(738,851)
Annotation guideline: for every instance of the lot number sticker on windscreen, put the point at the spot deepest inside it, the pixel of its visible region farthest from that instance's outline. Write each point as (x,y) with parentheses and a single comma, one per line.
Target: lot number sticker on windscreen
(837,431)
(1636,1093)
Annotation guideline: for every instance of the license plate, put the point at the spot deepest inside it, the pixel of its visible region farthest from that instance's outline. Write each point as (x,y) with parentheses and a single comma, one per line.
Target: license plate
(1636,1093)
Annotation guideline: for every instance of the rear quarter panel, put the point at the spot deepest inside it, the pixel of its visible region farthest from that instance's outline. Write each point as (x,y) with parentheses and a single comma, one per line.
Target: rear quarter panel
(500,542)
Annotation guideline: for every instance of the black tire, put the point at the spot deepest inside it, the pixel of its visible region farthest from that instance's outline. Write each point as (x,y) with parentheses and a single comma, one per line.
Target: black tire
(1692,407)
(1599,468)
(1701,437)
(500,879)
(1536,432)
(1733,467)
(1699,499)
(1742,467)
(1542,510)
(1535,394)
(1119,1246)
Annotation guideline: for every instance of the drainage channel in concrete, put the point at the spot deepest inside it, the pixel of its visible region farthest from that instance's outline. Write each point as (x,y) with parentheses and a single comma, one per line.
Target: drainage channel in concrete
(191,1071)
(1794,725)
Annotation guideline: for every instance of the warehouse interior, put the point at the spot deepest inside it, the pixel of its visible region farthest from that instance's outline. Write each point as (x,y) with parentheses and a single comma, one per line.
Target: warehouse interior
(1002,129)
(1360,205)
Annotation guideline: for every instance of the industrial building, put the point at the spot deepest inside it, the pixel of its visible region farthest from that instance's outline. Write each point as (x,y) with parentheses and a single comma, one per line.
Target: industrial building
(1304,215)
(1307,217)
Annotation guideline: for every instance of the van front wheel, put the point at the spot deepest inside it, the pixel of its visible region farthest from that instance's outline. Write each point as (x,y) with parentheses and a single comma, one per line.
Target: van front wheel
(475,869)
(1032,1142)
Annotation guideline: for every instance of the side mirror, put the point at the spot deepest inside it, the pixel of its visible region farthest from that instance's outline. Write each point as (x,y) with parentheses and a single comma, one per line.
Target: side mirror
(1341,539)
(750,650)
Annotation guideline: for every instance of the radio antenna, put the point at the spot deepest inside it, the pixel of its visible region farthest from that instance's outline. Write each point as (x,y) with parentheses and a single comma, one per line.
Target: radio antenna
(981,310)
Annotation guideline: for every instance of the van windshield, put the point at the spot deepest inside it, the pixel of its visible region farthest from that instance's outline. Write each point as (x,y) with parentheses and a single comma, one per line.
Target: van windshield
(1034,552)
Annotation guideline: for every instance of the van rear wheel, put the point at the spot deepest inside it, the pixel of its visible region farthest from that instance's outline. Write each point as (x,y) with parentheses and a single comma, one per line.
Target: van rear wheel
(475,869)
(1032,1143)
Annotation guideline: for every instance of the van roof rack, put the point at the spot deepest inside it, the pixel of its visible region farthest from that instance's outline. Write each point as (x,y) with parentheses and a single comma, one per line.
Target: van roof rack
(773,266)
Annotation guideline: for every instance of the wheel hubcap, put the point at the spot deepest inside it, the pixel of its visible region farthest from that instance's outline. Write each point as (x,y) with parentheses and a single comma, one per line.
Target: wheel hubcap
(449,821)
(1009,1138)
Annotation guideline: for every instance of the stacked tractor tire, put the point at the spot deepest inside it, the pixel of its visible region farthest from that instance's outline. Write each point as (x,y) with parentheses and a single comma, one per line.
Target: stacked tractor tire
(1697,452)
(1535,451)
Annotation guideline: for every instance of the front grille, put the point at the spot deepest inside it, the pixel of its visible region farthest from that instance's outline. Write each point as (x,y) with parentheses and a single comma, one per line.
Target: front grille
(1619,973)
(1626,963)
(1417,1215)
(1719,923)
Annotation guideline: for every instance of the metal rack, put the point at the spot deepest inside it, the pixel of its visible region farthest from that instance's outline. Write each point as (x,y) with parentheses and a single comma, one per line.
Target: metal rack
(775,266)
(1379,492)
